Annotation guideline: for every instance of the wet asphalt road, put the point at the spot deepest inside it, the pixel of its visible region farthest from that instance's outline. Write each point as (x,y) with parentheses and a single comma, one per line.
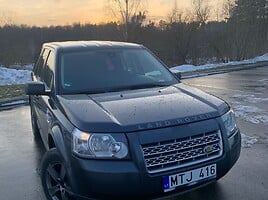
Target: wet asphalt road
(20,156)
(246,91)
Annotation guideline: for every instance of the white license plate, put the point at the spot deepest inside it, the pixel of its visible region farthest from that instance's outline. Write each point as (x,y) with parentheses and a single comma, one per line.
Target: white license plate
(189,177)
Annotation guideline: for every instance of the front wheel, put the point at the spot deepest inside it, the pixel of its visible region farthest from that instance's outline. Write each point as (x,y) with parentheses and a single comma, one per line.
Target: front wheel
(54,177)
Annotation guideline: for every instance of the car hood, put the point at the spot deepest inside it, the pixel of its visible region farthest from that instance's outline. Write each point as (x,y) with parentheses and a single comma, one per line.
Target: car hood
(142,109)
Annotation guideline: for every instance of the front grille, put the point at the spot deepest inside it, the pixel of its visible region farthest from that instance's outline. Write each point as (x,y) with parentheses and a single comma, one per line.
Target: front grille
(167,155)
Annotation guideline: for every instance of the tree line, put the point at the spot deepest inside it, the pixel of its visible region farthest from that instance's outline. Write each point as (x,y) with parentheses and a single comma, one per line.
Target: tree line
(183,37)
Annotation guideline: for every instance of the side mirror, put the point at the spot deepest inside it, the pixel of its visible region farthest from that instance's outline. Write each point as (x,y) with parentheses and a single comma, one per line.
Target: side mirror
(36,88)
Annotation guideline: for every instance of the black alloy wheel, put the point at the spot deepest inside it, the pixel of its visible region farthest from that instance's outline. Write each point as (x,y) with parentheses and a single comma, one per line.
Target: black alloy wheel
(54,177)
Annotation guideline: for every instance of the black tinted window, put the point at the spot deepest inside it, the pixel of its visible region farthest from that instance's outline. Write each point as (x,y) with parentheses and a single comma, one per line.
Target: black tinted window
(47,75)
(111,70)
(40,64)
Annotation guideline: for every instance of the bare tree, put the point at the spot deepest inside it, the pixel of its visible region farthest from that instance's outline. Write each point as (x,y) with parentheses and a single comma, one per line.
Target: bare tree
(135,26)
(182,30)
(227,9)
(177,15)
(201,11)
(7,18)
(124,10)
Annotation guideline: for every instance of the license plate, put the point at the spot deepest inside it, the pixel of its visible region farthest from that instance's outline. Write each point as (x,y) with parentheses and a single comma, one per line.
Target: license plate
(189,177)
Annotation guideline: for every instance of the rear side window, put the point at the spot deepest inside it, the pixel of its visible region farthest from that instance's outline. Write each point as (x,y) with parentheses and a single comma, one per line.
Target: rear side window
(40,64)
(47,74)
(44,67)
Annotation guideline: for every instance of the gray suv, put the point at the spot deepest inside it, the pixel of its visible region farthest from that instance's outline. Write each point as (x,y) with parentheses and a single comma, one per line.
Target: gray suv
(116,123)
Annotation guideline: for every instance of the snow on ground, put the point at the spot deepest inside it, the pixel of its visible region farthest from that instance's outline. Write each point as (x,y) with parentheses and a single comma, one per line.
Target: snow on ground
(189,68)
(252,108)
(9,76)
(248,141)
(246,108)
(251,114)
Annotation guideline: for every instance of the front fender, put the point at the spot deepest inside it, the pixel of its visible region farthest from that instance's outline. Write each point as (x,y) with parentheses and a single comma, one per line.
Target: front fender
(57,136)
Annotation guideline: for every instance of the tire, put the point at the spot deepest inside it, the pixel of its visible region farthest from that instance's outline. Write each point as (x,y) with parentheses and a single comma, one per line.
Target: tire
(35,129)
(54,177)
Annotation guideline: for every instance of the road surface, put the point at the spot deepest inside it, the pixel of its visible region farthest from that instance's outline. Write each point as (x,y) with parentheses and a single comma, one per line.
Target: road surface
(245,90)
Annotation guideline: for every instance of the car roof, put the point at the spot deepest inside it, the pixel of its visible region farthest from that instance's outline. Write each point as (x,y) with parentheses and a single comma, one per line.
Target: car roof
(89,45)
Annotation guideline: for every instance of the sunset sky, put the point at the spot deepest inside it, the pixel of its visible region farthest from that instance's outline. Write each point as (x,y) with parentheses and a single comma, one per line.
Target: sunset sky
(64,12)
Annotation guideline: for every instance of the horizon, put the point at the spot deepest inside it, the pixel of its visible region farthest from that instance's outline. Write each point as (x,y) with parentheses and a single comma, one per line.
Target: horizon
(69,12)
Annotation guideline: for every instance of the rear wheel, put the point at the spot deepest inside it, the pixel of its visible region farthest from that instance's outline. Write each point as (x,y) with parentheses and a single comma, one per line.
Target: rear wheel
(54,177)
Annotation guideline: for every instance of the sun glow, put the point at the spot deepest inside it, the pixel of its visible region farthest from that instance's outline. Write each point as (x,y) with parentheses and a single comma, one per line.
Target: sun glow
(67,12)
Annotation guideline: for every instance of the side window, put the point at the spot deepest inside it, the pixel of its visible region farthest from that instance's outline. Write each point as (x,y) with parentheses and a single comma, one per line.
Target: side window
(40,64)
(47,75)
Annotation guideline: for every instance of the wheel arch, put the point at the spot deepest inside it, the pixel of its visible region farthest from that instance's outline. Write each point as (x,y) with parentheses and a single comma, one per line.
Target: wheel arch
(56,140)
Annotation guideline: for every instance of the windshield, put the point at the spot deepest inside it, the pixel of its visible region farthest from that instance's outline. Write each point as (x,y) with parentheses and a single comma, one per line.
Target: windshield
(112,70)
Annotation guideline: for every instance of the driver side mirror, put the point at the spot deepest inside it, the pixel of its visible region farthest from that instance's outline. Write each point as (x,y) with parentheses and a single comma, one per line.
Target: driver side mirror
(36,88)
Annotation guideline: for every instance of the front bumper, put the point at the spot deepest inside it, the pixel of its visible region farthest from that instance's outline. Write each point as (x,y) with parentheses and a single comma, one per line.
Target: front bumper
(114,179)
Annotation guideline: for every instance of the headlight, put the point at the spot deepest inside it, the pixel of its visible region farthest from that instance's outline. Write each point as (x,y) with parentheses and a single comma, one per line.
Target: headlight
(229,122)
(98,145)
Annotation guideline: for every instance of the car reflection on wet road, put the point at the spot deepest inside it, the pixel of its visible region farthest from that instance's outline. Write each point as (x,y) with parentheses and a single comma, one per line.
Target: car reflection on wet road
(245,90)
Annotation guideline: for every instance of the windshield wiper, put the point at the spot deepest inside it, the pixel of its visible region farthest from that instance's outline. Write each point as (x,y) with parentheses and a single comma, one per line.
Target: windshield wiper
(118,89)
(139,86)
(148,85)
(91,91)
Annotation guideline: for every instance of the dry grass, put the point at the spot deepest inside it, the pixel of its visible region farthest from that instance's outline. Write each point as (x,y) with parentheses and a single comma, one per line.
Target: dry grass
(11,92)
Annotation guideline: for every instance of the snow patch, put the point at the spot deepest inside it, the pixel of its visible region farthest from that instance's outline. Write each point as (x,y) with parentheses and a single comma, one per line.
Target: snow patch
(10,76)
(260,58)
(263,80)
(189,68)
(251,114)
(248,141)
(247,109)
(257,119)
(250,98)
